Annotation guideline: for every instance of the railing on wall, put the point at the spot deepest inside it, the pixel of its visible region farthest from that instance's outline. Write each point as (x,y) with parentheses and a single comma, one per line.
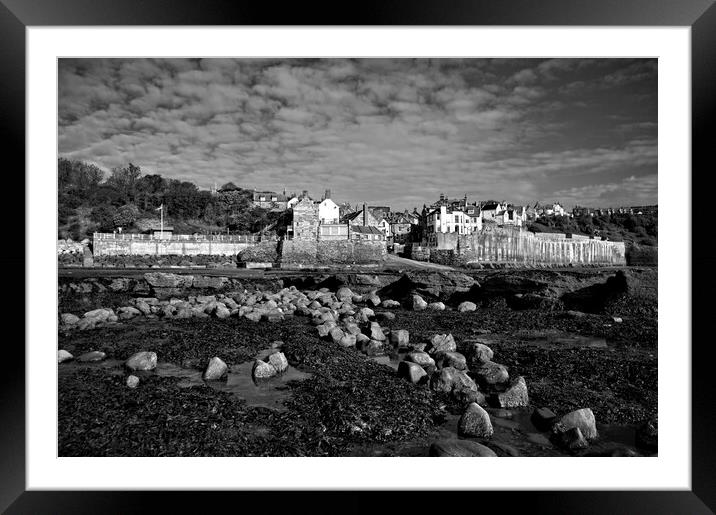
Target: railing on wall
(225,238)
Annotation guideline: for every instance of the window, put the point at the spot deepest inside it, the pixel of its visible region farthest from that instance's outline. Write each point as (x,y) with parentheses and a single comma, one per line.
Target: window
(457,219)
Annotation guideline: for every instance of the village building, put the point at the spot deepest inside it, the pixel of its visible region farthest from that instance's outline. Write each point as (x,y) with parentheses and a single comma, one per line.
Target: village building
(490,209)
(442,220)
(328,211)
(304,224)
(401,226)
(269,200)
(362,217)
(366,232)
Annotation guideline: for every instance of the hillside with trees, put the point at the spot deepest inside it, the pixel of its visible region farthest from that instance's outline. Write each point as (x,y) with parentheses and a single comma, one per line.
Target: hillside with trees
(639,229)
(90,202)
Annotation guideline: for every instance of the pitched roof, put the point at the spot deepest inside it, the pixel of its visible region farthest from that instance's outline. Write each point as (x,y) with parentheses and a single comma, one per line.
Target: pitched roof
(352,216)
(490,206)
(366,229)
(279,196)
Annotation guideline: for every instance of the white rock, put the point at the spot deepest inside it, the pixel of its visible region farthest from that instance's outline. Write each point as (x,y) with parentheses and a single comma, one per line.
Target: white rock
(63,355)
(132,381)
(466,306)
(263,370)
(215,369)
(143,360)
(278,361)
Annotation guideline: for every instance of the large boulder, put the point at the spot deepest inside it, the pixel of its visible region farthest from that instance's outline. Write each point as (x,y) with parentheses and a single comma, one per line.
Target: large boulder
(543,418)
(165,280)
(442,343)
(515,396)
(460,449)
(583,419)
(458,384)
(466,306)
(411,371)
(476,352)
(450,359)
(475,422)
(434,285)
(263,370)
(421,358)
(436,306)
(492,374)
(143,360)
(376,332)
(419,303)
(278,361)
(215,370)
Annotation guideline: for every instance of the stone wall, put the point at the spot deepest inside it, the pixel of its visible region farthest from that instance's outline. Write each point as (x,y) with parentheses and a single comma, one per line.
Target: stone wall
(311,252)
(123,247)
(511,245)
(262,252)
(416,252)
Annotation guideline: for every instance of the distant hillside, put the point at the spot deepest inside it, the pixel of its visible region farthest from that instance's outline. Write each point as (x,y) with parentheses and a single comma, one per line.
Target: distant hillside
(631,229)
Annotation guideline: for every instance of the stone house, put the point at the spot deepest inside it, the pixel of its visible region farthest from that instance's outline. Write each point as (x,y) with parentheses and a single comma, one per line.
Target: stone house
(366,232)
(305,220)
(269,200)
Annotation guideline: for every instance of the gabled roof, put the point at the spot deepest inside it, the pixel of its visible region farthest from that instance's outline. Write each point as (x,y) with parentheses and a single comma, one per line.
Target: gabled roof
(366,229)
(351,216)
(490,205)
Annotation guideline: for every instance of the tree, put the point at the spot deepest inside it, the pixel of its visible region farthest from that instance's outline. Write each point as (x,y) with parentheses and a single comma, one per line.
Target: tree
(125,215)
(125,180)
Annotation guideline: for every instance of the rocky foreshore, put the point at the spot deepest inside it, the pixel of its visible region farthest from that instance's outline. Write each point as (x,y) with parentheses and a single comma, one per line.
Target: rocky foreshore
(441,336)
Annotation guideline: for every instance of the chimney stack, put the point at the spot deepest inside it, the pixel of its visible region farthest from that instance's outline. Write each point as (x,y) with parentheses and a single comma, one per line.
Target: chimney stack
(327,195)
(365,215)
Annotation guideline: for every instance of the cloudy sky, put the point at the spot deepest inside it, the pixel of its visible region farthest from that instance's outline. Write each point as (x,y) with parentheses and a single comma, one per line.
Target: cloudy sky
(384,131)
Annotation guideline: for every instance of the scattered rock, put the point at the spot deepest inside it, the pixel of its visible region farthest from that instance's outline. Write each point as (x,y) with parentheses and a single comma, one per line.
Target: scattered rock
(69,319)
(515,396)
(222,311)
(458,384)
(376,333)
(442,343)
(617,320)
(418,303)
(63,355)
(143,360)
(385,316)
(215,370)
(348,340)
(421,358)
(278,361)
(389,304)
(491,374)
(460,449)
(475,422)
(336,334)
(477,353)
(253,316)
(344,294)
(89,357)
(132,381)
(466,306)
(436,306)
(411,371)
(583,419)
(262,370)
(451,359)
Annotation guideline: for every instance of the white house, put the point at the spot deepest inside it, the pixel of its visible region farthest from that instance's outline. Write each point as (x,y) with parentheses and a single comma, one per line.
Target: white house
(384,226)
(328,212)
(443,220)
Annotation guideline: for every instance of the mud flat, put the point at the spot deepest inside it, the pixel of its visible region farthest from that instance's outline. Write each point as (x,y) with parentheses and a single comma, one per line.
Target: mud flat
(578,339)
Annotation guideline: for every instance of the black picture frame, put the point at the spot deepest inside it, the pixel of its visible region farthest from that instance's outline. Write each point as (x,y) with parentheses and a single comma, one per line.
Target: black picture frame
(700,15)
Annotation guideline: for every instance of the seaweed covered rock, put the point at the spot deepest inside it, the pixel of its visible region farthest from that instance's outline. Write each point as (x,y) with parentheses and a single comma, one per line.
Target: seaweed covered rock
(475,422)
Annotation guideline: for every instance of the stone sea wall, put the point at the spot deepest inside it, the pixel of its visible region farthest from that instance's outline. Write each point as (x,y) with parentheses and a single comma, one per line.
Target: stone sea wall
(311,252)
(502,245)
(128,247)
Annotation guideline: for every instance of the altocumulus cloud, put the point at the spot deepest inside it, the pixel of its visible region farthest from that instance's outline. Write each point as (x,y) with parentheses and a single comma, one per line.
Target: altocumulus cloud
(387,131)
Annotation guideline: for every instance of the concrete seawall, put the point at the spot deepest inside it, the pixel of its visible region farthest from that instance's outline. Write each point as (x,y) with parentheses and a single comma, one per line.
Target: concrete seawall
(120,247)
(501,245)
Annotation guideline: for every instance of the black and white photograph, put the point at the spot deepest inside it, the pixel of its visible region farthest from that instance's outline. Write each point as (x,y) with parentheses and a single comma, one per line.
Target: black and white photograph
(357,257)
